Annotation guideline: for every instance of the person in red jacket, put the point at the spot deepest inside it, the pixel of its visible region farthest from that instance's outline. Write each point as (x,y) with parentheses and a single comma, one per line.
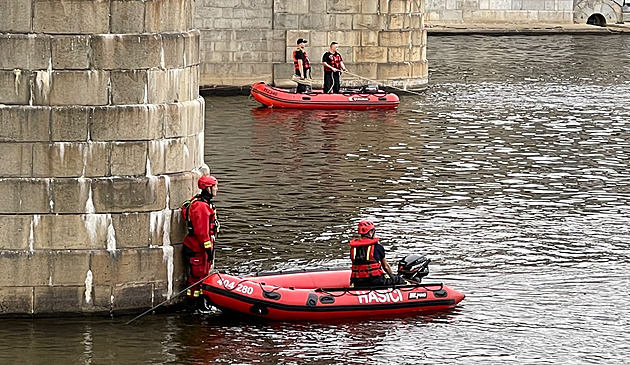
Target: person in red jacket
(369,266)
(203,226)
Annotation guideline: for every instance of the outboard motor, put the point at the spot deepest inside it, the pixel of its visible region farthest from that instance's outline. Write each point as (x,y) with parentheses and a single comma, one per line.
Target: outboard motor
(414,267)
(370,89)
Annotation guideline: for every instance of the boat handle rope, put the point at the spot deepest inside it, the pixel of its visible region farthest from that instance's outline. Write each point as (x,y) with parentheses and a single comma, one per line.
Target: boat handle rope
(406,288)
(245,280)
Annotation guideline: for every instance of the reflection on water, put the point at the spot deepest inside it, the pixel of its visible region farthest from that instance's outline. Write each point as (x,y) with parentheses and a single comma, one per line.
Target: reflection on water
(510,172)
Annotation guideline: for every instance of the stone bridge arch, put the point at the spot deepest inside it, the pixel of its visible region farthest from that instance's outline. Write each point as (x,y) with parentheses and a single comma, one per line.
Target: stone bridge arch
(610,10)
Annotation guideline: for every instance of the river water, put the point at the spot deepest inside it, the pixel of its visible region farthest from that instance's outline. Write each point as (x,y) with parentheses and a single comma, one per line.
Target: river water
(511,172)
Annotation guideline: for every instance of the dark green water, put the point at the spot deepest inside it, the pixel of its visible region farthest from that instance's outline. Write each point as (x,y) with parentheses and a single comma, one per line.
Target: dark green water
(511,172)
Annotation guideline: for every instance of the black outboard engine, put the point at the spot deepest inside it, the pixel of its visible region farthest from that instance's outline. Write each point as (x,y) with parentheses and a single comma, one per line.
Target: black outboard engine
(414,267)
(370,89)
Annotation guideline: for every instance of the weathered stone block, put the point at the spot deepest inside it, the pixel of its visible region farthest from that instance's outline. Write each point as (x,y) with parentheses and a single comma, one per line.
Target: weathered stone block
(127,16)
(181,188)
(166,16)
(178,227)
(367,70)
(399,6)
(195,109)
(159,233)
(22,51)
(70,159)
(24,123)
(398,22)
(420,69)
(345,38)
(393,71)
(24,196)
(369,6)
(71,16)
(344,6)
(132,296)
(24,268)
(126,51)
(69,123)
(369,38)
(15,231)
(16,160)
(132,230)
(176,155)
(71,88)
(193,84)
(14,300)
(398,54)
(101,297)
(71,52)
(394,38)
(139,265)
(16,16)
(129,194)
(69,267)
(419,37)
(70,196)
(285,21)
(14,86)
(340,21)
(175,119)
(126,122)
(368,21)
(291,6)
(58,299)
(158,87)
(71,232)
(370,54)
(129,87)
(128,158)
(174,49)
(315,21)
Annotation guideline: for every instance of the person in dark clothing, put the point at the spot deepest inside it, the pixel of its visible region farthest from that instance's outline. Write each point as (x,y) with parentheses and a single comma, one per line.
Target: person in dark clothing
(333,66)
(369,266)
(302,67)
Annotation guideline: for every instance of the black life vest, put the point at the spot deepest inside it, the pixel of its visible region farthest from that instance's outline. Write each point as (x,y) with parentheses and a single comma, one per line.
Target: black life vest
(362,255)
(305,62)
(215,225)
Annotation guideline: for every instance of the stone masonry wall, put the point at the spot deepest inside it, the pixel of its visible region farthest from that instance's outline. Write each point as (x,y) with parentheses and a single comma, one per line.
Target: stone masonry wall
(499,11)
(101,132)
(244,41)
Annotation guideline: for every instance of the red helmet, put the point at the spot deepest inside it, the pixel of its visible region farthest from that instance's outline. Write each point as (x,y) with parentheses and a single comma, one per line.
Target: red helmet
(365,227)
(207,180)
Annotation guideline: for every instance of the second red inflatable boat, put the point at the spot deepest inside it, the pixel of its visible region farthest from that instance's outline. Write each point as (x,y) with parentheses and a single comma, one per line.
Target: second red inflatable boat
(274,97)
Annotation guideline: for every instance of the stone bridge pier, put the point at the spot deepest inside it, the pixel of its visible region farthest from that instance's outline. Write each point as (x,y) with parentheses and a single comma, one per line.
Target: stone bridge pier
(101,138)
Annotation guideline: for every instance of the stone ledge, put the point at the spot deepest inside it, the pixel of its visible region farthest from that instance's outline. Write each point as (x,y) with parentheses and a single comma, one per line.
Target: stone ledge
(442,28)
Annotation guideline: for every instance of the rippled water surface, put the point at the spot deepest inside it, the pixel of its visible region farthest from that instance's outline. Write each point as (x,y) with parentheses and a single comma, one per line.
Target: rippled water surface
(510,172)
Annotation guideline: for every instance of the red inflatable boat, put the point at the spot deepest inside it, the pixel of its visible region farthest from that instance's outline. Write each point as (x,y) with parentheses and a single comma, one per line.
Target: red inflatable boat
(320,295)
(274,97)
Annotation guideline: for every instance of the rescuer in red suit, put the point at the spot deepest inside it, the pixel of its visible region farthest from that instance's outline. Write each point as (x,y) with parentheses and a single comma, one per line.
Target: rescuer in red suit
(369,266)
(203,226)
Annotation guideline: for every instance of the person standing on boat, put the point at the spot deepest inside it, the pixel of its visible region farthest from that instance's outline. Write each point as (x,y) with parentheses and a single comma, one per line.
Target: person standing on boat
(333,66)
(369,266)
(302,67)
(203,227)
